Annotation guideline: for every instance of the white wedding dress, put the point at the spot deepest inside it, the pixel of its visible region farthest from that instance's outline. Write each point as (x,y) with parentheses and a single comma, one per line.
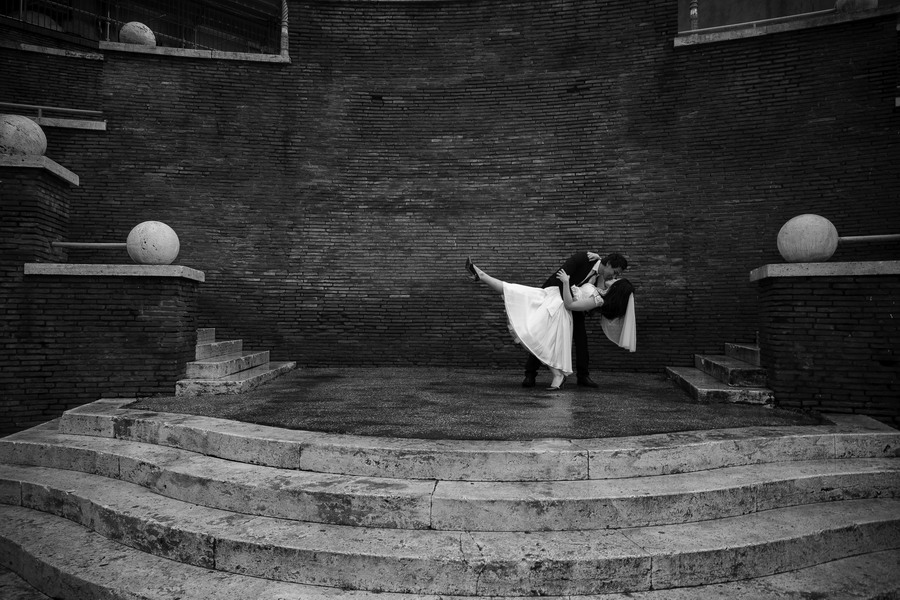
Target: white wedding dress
(538,319)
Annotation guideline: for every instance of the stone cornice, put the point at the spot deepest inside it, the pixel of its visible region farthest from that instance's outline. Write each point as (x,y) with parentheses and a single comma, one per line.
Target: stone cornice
(39,162)
(101,270)
(826,269)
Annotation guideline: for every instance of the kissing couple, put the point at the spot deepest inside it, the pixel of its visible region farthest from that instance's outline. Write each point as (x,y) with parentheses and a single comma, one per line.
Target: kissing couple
(546,319)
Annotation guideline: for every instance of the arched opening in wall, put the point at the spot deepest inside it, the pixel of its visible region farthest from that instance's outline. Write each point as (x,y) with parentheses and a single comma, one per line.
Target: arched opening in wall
(252,26)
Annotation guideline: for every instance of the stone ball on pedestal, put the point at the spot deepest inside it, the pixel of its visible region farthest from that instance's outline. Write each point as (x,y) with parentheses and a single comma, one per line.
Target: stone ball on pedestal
(152,243)
(20,135)
(807,238)
(137,33)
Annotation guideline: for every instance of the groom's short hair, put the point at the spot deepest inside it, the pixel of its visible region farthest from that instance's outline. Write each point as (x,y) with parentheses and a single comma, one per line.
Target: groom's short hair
(615,260)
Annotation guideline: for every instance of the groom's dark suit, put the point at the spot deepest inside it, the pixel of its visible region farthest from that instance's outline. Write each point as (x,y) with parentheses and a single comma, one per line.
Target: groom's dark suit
(578,266)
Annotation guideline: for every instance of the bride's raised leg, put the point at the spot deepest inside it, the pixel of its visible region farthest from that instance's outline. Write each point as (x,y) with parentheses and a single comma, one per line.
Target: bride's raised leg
(558,378)
(492,282)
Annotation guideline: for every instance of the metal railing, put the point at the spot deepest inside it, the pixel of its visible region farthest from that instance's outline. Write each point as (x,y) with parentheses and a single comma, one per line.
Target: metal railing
(224,25)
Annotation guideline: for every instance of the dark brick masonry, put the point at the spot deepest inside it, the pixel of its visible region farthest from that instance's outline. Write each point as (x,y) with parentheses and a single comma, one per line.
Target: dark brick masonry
(833,343)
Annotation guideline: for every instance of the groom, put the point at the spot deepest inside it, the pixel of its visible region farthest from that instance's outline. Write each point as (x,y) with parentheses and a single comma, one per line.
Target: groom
(582,267)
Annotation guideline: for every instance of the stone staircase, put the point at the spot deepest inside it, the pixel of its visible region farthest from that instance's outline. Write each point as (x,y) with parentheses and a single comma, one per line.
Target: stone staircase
(114,503)
(226,368)
(734,377)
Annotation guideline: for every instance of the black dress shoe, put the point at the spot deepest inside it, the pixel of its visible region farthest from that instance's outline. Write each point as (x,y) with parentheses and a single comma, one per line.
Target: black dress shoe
(586,381)
(528,381)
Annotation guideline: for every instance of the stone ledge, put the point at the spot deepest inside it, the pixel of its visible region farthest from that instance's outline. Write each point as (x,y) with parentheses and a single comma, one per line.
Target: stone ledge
(837,269)
(90,270)
(40,162)
(53,51)
(185,53)
(771,26)
(70,123)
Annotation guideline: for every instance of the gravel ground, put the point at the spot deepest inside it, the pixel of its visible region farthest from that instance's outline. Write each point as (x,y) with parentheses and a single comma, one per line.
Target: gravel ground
(436,403)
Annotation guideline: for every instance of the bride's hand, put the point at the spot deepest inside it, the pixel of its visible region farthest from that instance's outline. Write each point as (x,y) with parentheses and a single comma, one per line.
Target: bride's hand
(562,276)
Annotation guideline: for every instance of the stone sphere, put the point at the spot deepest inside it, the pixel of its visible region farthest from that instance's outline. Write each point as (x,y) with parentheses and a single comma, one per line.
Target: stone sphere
(137,33)
(807,238)
(152,243)
(21,135)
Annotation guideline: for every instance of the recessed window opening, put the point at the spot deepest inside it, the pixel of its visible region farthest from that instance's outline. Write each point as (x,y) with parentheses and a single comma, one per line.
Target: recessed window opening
(230,26)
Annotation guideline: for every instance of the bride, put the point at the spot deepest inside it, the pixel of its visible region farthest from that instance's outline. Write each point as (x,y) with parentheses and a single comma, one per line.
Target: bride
(541,318)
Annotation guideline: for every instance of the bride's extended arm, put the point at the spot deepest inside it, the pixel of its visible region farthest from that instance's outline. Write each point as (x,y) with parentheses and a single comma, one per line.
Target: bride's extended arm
(570,303)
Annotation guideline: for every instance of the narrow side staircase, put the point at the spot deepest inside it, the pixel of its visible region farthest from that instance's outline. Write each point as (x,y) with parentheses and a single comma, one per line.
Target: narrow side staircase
(117,503)
(733,377)
(224,367)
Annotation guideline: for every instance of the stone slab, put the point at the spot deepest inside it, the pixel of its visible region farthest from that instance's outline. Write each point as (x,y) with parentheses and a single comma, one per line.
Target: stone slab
(468,563)
(98,270)
(38,547)
(705,388)
(40,162)
(537,460)
(235,383)
(229,485)
(216,367)
(211,349)
(731,371)
(450,505)
(826,269)
(768,542)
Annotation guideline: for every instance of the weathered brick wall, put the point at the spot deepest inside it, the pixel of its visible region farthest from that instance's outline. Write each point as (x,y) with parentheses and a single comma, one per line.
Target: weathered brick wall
(331,201)
(81,338)
(832,344)
(65,341)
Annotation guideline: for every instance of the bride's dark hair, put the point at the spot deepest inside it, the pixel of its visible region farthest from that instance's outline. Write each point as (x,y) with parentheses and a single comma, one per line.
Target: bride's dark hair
(615,303)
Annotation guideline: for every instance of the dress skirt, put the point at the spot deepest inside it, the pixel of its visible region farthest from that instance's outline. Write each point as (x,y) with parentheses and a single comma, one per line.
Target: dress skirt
(540,322)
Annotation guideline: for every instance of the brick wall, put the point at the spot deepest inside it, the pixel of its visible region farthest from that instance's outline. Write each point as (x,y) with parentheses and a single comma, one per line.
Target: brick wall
(832,344)
(64,340)
(84,338)
(331,201)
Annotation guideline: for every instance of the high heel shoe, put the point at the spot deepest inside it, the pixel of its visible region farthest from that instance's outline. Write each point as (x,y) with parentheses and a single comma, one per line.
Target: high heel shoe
(470,267)
(553,388)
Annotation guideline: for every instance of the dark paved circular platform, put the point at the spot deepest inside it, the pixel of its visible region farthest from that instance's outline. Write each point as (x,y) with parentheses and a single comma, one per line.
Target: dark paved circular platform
(434,403)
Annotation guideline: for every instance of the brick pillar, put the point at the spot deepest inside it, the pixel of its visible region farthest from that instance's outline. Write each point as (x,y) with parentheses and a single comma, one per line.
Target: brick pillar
(829,336)
(34,211)
(93,331)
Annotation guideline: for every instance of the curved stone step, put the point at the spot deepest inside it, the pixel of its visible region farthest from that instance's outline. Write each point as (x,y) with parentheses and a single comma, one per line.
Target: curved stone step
(463,563)
(850,436)
(452,505)
(38,546)
(13,587)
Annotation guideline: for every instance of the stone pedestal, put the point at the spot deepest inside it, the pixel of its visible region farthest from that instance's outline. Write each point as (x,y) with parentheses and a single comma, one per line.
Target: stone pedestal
(829,336)
(85,332)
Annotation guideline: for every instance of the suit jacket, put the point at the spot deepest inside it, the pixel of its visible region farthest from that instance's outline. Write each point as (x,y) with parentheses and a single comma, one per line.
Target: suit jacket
(577,266)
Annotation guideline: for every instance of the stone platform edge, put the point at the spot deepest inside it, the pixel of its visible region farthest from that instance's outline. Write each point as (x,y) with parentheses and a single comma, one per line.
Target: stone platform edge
(824,269)
(843,436)
(102,270)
